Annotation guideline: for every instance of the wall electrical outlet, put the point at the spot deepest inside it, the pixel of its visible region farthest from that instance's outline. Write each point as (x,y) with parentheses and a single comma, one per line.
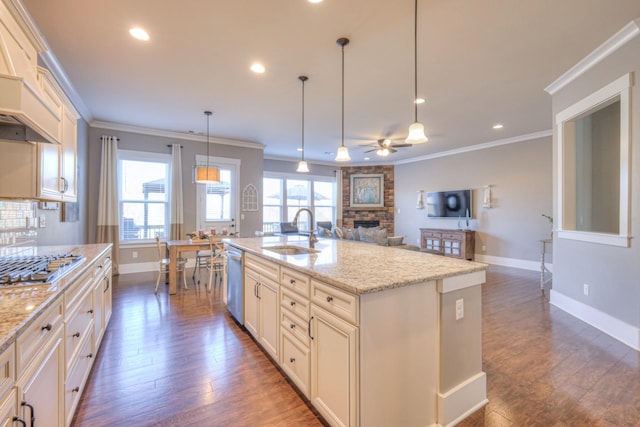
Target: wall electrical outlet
(585,289)
(459,309)
(484,248)
(134,254)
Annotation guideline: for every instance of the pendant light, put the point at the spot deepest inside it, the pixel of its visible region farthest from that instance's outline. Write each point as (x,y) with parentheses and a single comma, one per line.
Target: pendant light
(416,130)
(302,164)
(206,174)
(343,151)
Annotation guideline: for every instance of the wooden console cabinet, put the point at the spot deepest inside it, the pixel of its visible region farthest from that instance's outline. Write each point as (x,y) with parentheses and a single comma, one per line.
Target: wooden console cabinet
(452,243)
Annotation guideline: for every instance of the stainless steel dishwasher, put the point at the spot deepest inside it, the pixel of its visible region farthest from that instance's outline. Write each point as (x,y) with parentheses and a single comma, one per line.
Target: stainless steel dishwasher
(234,283)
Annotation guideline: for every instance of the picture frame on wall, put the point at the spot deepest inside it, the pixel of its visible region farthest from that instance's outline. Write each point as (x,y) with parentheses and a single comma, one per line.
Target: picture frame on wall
(70,212)
(367,190)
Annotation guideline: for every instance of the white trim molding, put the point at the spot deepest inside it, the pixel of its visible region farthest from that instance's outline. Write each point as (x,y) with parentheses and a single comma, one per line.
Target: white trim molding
(615,42)
(175,135)
(616,328)
(512,262)
(463,400)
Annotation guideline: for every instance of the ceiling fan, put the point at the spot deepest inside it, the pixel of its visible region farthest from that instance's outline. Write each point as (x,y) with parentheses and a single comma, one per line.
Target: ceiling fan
(385,147)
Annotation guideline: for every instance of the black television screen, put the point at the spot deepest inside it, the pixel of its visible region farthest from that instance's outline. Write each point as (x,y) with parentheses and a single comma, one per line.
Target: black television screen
(449,204)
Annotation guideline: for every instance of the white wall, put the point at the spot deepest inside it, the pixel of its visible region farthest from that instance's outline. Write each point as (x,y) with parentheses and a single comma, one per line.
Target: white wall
(521,178)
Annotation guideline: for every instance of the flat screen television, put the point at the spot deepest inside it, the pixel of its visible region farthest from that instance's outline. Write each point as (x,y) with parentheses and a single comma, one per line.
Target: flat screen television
(449,204)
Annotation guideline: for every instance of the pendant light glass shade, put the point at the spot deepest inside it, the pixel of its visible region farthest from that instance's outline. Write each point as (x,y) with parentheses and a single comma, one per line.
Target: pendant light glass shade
(302,167)
(343,152)
(416,130)
(206,174)
(416,134)
(302,164)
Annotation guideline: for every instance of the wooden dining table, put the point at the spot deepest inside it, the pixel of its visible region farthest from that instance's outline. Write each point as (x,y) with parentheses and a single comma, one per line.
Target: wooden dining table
(176,247)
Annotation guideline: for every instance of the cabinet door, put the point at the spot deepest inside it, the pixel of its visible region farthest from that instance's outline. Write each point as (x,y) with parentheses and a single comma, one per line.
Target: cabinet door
(69,156)
(251,282)
(333,368)
(269,323)
(8,410)
(49,171)
(98,315)
(41,386)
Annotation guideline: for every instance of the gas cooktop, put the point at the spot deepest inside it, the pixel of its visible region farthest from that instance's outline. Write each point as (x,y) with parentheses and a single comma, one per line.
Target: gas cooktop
(34,269)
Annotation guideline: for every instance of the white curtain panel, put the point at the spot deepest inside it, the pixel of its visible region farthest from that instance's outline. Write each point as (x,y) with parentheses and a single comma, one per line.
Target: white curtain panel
(108,218)
(176,209)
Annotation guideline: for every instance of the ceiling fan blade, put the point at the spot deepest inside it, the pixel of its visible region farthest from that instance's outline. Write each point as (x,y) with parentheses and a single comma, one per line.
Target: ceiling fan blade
(392,149)
(368,151)
(401,145)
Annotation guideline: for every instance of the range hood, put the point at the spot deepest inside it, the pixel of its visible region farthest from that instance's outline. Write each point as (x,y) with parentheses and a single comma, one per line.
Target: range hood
(25,115)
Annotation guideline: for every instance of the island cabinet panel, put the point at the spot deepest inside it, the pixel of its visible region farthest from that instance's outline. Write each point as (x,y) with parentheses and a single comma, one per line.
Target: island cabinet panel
(261,303)
(334,368)
(8,409)
(8,399)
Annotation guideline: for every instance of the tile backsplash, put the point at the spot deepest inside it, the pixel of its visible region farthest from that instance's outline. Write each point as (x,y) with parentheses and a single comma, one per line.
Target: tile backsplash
(17,223)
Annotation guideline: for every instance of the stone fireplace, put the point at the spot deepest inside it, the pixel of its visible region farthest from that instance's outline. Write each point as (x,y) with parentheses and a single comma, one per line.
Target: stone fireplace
(384,216)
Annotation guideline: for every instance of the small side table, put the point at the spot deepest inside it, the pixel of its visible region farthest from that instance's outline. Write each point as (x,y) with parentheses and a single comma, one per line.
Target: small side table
(543,267)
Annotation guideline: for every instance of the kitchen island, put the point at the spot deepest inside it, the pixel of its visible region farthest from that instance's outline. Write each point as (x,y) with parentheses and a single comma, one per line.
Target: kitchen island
(371,335)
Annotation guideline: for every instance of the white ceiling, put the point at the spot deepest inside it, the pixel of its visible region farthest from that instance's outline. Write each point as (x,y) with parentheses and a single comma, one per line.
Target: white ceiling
(480,62)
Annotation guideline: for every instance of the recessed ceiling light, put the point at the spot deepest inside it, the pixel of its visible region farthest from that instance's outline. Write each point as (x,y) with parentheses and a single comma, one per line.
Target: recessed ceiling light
(367,158)
(139,33)
(419,100)
(299,149)
(315,1)
(258,68)
(498,126)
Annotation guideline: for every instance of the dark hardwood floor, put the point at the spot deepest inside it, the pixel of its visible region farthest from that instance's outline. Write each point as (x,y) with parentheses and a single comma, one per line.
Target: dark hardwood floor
(183,361)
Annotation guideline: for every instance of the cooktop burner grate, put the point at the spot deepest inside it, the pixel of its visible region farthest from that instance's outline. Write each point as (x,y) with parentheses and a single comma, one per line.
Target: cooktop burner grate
(29,269)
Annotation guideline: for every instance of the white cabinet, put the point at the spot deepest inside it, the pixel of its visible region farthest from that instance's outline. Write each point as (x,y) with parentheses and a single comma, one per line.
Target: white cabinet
(57,163)
(8,398)
(334,359)
(261,296)
(8,410)
(40,366)
(102,295)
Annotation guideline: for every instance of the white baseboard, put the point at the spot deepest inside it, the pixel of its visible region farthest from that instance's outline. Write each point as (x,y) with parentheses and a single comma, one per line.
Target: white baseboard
(463,400)
(623,332)
(511,262)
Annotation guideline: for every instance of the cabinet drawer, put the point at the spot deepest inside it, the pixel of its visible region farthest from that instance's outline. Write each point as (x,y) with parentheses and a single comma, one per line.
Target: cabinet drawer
(101,266)
(74,294)
(298,282)
(79,324)
(294,303)
(78,376)
(7,369)
(264,267)
(294,325)
(431,234)
(35,337)
(296,362)
(335,301)
(452,236)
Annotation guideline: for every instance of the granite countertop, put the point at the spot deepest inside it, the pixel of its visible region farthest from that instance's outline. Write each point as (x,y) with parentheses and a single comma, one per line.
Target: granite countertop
(359,267)
(20,305)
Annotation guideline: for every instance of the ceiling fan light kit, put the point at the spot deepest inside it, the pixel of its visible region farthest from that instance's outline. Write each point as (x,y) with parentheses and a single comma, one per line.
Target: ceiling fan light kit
(302,164)
(416,130)
(206,174)
(342,154)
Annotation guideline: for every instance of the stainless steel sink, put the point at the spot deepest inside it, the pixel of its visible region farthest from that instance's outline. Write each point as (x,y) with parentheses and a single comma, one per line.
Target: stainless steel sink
(290,250)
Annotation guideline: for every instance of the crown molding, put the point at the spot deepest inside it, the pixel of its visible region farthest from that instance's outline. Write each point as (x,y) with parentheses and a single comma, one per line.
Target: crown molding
(484,146)
(25,21)
(615,42)
(174,135)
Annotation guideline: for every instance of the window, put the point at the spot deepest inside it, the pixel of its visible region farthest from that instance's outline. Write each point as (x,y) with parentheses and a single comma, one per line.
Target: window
(143,186)
(217,203)
(284,196)
(593,149)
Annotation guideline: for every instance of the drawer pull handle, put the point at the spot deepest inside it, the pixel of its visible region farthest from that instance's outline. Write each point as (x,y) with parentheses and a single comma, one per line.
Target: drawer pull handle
(329,298)
(77,335)
(90,311)
(293,326)
(75,389)
(89,356)
(293,303)
(292,281)
(47,327)
(292,360)
(19,420)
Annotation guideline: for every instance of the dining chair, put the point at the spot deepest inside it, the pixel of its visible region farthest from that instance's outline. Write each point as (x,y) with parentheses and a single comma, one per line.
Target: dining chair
(202,258)
(216,262)
(164,265)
